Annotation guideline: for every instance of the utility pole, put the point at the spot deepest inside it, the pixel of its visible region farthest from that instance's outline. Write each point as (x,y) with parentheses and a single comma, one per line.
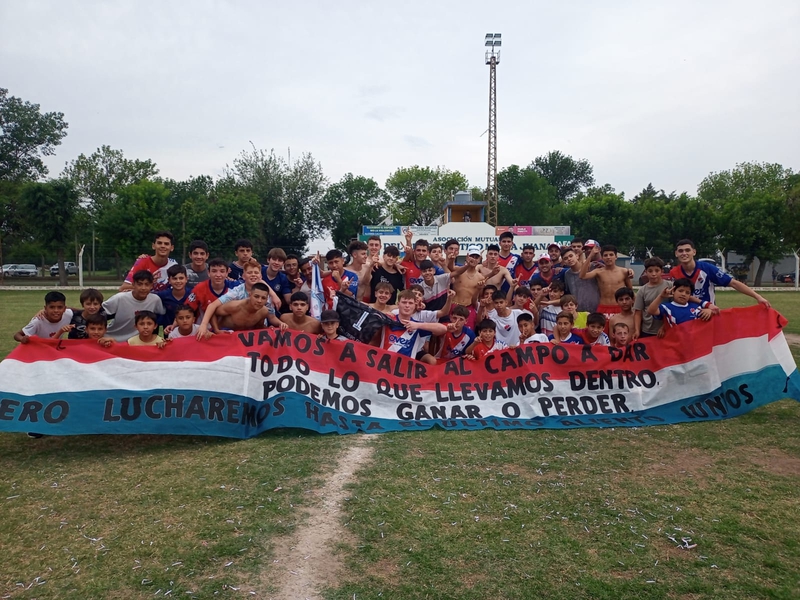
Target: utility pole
(493,42)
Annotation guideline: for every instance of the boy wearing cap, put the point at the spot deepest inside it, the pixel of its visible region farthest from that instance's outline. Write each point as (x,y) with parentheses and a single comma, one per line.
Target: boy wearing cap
(545,274)
(609,279)
(554,251)
(329,321)
(468,282)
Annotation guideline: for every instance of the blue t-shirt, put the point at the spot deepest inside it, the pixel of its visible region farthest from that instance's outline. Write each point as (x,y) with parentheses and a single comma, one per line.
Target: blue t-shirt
(675,314)
(572,339)
(171,303)
(705,276)
(280,285)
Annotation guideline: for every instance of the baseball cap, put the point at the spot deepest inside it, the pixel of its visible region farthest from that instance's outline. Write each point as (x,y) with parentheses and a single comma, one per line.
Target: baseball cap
(538,338)
(473,249)
(543,256)
(590,243)
(329,316)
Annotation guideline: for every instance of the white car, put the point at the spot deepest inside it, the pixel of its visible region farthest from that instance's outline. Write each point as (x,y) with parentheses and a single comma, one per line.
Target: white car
(21,270)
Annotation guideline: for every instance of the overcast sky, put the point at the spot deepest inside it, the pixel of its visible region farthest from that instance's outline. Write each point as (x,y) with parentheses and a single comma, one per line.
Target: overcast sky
(647,92)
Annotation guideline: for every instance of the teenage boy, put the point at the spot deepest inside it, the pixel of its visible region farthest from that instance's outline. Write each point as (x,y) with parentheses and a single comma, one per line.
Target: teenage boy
(437,257)
(585,291)
(374,246)
(184,323)
(387,272)
(434,287)
(468,281)
(497,273)
(562,334)
(452,247)
(252,276)
(679,310)
(56,320)
(329,321)
(307,272)
(146,328)
(157,265)
(705,275)
(546,274)
(554,251)
(273,275)
(413,258)
(338,278)
(458,337)
(291,266)
(506,258)
(526,267)
(550,306)
(298,319)
(644,324)
(175,295)
(505,319)
(412,330)
(123,307)
(197,267)
(243,249)
(91,301)
(249,313)
(384,293)
(625,299)
(523,300)
(217,285)
(609,278)
(486,341)
(361,265)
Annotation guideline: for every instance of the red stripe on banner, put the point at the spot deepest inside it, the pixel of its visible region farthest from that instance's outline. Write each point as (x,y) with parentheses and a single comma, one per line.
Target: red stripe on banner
(682,344)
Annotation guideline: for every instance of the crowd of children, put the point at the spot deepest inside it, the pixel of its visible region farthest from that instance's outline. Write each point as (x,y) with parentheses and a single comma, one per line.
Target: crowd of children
(439,310)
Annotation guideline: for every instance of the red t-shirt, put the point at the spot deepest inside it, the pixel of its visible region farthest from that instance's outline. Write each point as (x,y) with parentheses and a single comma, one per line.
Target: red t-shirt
(203,295)
(160,278)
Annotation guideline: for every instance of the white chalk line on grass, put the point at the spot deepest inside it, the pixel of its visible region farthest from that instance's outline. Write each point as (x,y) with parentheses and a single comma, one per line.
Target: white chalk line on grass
(306,563)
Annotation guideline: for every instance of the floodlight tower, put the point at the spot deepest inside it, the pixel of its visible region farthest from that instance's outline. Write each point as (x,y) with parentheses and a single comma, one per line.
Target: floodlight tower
(493,42)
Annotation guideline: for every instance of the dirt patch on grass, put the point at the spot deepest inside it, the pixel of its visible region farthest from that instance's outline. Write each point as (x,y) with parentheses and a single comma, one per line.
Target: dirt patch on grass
(693,463)
(308,562)
(792,338)
(775,461)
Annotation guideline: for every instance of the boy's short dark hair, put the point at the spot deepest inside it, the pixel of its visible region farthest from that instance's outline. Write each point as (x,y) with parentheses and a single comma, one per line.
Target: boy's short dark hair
(460,311)
(435,246)
(198,244)
(498,295)
(685,241)
(565,315)
(565,251)
(557,285)
(51,297)
(293,256)
(608,248)
(683,282)
(653,261)
(166,234)
(96,319)
(576,240)
(523,291)
(391,251)
(176,270)
(524,316)
(426,264)
(506,234)
(493,247)
(566,299)
(486,324)
(417,288)
(385,285)
(145,314)
(143,275)
(181,307)
(356,245)
(333,254)
(276,254)
(374,238)
(242,243)
(260,286)
(528,247)
(622,292)
(491,287)
(217,262)
(90,294)
(596,319)
(299,297)
(452,242)
(419,243)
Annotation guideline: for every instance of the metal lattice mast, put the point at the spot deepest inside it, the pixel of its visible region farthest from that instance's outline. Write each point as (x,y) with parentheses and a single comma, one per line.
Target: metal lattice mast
(493,42)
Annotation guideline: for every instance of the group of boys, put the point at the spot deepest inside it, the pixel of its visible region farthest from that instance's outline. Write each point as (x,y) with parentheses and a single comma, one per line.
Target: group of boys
(438,310)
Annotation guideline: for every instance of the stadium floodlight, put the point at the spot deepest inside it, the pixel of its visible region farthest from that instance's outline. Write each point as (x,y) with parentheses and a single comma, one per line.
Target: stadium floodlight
(489,39)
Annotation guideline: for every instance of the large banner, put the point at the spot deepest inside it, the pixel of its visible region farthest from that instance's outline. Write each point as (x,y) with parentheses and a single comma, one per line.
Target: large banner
(241,384)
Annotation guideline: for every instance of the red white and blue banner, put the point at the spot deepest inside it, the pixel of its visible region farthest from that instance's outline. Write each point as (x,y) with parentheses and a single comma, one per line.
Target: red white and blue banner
(241,384)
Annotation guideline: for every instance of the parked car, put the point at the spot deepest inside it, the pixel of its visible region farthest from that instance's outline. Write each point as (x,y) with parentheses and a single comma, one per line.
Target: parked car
(785,278)
(71,268)
(5,270)
(23,271)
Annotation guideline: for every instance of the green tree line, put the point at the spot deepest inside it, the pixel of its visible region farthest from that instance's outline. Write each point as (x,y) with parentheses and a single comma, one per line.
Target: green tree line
(117,202)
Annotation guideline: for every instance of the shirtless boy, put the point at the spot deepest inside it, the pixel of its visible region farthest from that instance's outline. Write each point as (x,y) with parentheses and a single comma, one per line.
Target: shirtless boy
(384,293)
(249,313)
(468,282)
(298,319)
(609,279)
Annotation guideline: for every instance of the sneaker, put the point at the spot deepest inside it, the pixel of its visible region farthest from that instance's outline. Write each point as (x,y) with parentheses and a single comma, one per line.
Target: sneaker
(35,435)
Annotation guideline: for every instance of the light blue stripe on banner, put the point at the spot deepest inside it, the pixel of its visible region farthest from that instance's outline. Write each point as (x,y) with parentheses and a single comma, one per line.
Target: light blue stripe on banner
(191,412)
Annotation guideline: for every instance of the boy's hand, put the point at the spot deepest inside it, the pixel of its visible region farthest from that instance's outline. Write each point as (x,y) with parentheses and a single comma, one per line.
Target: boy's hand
(62,331)
(666,292)
(400,268)
(162,343)
(203,334)
(408,234)
(24,339)
(105,341)
(705,314)
(595,253)
(283,326)
(636,334)
(168,329)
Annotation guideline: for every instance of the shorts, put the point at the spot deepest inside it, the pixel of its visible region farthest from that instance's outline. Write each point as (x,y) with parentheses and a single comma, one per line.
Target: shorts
(472,319)
(608,311)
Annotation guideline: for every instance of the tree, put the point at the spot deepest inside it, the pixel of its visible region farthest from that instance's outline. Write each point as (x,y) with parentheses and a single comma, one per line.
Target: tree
(99,176)
(289,196)
(603,215)
(51,210)
(351,203)
(526,198)
(567,175)
(185,198)
(420,193)
(751,201)
(26,134)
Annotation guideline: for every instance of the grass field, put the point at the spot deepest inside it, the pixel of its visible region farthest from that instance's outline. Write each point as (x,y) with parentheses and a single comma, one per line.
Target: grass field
(594,513)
